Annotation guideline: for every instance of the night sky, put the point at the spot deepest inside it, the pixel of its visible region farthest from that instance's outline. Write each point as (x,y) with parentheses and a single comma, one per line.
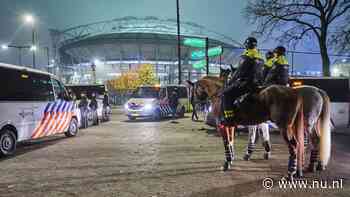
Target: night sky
(224,16)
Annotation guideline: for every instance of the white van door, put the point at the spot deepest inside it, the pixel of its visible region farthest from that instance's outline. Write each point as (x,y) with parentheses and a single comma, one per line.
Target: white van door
(43,105)
(16,101)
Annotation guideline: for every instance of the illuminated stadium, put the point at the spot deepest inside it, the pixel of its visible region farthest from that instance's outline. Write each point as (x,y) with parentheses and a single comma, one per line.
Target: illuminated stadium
(117,45)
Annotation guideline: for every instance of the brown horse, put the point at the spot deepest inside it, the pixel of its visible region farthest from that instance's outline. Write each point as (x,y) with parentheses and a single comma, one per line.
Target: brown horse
(292,109)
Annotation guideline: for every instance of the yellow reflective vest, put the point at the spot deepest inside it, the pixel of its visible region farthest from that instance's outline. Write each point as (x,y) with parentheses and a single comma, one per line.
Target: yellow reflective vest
(281,60)
(252,53)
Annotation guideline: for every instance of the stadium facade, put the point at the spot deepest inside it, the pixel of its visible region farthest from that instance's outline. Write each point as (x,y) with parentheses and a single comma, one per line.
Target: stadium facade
(118,45)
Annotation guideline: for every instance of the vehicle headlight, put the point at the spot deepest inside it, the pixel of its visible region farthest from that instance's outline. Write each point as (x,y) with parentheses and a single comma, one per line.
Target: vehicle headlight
(126,106)
(148,107)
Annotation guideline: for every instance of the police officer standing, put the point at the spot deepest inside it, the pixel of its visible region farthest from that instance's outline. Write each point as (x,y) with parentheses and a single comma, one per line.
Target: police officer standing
(173,102)
(93,106)
(83,106)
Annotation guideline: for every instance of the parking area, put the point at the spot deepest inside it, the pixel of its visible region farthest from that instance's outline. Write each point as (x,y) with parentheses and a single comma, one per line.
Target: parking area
(147,158)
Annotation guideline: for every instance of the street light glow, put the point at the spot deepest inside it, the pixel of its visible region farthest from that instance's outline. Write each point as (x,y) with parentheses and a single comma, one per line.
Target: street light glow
(29,19)
(33,48)
(97,61)
(4,47)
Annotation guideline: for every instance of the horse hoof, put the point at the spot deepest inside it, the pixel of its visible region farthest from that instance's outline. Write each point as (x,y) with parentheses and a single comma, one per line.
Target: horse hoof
(299,174)
(226,166)
(320,167)
(312,168)
(246,157)
(267,156)
(290,177)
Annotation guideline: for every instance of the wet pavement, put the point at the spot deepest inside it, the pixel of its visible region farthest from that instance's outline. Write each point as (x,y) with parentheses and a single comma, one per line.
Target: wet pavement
(146,158)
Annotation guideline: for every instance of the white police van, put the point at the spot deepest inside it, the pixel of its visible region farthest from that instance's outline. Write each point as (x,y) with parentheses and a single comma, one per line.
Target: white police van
(33,104)
(153,102)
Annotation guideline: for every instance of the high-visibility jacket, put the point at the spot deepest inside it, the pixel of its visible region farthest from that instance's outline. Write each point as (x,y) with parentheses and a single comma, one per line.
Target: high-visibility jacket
(279,72)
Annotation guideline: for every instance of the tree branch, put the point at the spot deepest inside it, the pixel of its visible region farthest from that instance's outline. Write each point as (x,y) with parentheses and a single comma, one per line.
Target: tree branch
(346,8)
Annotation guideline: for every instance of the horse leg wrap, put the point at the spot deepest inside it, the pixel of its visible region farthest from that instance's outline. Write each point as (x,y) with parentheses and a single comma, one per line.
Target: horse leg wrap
(232,152)
(292,164)
(228,157)
(267,146)
(314,158)
(249,152)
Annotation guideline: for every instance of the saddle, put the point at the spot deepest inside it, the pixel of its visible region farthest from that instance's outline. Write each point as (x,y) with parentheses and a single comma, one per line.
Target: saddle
(249,95)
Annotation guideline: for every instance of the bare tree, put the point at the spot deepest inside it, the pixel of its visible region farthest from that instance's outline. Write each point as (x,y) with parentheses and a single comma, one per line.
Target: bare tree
(295,20)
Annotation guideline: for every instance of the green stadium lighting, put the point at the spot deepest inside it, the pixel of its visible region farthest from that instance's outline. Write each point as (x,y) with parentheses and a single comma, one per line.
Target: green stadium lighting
(215,51)
(194,42)
(212,52)
(200,64)
(196,55)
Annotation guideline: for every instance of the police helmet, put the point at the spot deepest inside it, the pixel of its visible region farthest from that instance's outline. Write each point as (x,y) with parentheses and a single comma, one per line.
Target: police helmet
(250,43)
(269,55)
(280,50)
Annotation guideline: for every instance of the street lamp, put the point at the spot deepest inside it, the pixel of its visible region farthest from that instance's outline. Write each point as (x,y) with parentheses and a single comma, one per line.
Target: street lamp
(33,48)
(4,47)
(29,19)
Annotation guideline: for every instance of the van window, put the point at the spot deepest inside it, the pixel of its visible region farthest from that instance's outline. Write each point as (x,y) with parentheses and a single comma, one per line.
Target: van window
(181,91)
(60,91)
(24,86)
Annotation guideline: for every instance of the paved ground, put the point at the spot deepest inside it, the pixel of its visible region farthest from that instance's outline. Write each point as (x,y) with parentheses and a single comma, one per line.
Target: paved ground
(145,158)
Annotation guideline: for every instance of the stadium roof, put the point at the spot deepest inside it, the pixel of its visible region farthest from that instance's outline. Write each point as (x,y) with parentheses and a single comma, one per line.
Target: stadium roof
(131,38)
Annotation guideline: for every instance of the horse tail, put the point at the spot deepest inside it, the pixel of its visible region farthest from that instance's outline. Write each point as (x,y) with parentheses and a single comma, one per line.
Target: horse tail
(298,108)
(299,135)
(325,129)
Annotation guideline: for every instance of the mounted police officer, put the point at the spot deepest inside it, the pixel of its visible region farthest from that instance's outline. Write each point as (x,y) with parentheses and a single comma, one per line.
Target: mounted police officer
(269,59)
(246,78)
(278,73)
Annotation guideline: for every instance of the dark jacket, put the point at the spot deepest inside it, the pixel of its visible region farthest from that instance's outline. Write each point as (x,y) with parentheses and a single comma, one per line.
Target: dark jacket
(248,74)
(173,100)
(279,73)
(93,103)
(105,100)
(83,103)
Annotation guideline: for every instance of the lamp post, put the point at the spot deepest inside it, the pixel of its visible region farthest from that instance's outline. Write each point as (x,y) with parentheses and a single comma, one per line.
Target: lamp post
(178,40)
(29,19)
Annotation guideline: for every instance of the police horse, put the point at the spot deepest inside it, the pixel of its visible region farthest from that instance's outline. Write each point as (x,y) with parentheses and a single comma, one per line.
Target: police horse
(254,131)
(296,111)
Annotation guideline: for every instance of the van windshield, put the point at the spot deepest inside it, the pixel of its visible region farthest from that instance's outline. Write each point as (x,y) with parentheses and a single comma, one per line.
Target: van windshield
(146,92)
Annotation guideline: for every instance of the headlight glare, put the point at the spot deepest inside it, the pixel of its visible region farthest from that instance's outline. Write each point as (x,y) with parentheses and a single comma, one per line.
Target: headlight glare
(148,107)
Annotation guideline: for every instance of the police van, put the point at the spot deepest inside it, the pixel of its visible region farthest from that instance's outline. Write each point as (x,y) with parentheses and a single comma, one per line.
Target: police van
(153,102)
(33,104)
(338,90)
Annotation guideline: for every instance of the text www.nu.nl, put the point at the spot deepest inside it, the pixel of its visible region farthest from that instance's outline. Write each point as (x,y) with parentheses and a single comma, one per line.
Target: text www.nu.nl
(298,184)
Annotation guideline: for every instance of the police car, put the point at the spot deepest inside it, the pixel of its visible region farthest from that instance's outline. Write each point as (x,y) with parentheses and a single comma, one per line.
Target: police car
(153,102)
(33,104)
